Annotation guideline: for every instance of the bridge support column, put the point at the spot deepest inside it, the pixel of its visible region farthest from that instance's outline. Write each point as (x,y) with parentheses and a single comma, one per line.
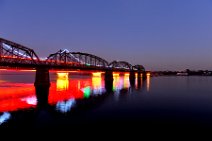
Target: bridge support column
(132,78)
(144,75)
(109,81)
(42,84)
(139,77)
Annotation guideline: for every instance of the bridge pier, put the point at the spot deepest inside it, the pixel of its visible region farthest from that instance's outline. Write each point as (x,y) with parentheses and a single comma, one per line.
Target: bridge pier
(132,78)
(144,75)
(42,84)
(109,81)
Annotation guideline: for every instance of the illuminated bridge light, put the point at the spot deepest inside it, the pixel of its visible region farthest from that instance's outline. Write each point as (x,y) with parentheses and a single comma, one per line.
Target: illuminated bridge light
(97,74)
(115,74)
(42,58)
(62,75)
(148,74)
(65,50)
(87,64)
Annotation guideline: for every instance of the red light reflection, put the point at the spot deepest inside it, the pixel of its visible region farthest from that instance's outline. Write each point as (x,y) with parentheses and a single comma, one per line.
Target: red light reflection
(66,88)
(15,96)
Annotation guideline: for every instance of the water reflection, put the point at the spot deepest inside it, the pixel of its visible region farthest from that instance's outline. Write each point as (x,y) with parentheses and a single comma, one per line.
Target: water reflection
(97,83)
(139,83)
(62,81)
(65,106)
(120,81)
(68,92)
(126,80)
(86,92)
(4,117)
(14,96)
(121,84)
(63,92)
(68,88)
(148,83)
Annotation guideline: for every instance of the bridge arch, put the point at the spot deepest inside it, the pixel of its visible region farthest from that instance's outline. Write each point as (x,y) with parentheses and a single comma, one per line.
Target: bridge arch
(90,59)
(120,64)
(76,58)
(139,68)
(62,57)
(14,53)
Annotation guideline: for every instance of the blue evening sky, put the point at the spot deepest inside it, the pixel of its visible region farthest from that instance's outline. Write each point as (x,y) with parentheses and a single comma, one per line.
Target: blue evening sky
(159,34)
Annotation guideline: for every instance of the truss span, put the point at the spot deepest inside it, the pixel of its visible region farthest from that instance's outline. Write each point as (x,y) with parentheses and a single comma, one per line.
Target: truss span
(62,57)
(120,65)
(76,58)
(89,59)
(16,55)
(139,68)
(13,53)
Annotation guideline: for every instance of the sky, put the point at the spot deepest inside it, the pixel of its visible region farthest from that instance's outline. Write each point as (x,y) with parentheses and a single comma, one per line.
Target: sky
(158,34)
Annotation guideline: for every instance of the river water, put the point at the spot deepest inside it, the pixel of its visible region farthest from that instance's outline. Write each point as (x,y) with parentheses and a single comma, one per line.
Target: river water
(79,99)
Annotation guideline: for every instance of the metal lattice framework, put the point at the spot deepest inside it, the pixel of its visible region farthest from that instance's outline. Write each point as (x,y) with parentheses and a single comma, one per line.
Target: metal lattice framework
(90,60)
(62,57)
(120,65)
(13,53)
(16,55)
(139,68)
(76,58)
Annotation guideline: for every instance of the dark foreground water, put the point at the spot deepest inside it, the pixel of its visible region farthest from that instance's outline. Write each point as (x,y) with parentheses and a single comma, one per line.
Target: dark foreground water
(81,100)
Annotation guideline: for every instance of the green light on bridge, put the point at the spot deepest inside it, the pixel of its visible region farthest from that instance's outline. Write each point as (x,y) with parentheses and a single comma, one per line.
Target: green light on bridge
(88,64)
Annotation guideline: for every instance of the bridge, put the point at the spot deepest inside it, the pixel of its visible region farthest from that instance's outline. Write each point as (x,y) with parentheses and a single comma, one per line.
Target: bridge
(14,55)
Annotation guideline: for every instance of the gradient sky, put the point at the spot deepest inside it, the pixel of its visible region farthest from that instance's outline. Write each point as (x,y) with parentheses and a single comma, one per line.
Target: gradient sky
(159,34)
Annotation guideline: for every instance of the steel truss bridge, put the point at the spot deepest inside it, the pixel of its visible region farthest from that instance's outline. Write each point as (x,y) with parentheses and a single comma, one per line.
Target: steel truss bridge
(15,55)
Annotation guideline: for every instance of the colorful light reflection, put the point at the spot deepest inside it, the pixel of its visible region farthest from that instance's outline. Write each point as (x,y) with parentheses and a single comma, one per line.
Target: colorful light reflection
(120,82)
(4,117)
(62,81)
(67,88)
(14,96)
(148,82)
(63,93)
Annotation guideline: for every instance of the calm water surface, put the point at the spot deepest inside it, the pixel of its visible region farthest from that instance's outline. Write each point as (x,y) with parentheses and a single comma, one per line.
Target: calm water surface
(77,99)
